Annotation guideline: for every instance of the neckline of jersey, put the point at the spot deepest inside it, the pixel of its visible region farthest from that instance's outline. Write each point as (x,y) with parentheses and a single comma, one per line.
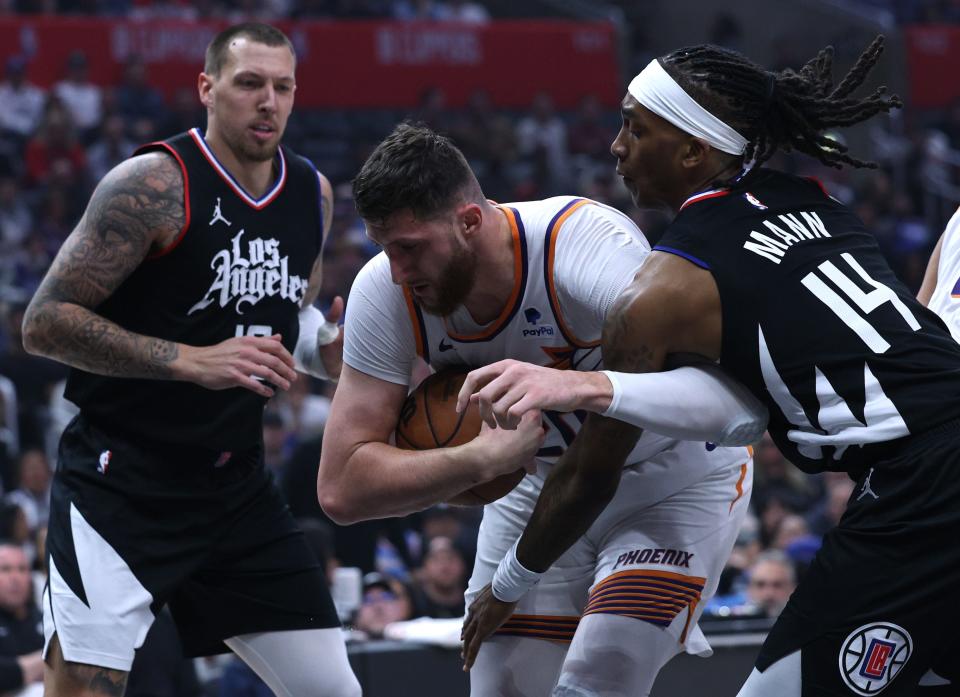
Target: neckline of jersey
(257,203)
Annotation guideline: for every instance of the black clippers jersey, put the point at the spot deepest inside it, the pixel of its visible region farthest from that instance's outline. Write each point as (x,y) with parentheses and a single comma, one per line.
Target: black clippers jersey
(239,268)
(815,323)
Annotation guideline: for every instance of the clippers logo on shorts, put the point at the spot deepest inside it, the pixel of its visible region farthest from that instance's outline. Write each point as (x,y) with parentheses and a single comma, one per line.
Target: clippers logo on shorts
(104,462)
(873,655)
(541,331)
(250,278)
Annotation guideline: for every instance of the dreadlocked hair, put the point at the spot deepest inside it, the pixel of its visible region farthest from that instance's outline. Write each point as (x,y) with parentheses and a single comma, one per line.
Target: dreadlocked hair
(787,110)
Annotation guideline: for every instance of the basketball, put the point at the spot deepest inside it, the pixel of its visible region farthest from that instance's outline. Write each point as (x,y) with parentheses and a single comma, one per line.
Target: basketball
(429,420)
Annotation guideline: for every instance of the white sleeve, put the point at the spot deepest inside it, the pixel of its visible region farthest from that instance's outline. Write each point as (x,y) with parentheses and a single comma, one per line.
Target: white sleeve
(599,251)
(689,403)
(377,331)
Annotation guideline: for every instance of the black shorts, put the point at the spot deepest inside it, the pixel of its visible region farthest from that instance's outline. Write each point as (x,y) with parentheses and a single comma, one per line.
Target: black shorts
(878,607)
(133,527)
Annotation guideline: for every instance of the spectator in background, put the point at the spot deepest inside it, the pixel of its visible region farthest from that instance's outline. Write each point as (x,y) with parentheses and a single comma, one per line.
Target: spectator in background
(589,135)
(184,114)
(441,582)
(411,10)
(385,600)
(21,625)
(542,142)
(304,412)
(22,102)
(14,528)
(112,148)
(776,479)
(16,222)
(33,493)
(135,97)
(32,378)
(55,150)
(463,11)
(772,581)
(432,110)
(82,98)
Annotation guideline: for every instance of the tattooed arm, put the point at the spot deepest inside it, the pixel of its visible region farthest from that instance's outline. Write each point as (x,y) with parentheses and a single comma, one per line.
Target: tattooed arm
(137,208)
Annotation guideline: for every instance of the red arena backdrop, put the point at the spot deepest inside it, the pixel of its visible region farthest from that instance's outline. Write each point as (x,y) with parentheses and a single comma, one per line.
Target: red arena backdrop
(349,64)
(933,52)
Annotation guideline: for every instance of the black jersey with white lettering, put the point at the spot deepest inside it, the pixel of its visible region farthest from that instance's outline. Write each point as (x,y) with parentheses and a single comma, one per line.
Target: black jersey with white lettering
(815,323)
(240,267)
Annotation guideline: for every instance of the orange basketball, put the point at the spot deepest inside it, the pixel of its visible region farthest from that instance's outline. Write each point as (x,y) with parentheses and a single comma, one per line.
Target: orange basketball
(429,419)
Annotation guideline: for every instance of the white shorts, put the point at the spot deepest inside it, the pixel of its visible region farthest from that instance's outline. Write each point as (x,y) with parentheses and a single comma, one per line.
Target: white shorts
(654,554)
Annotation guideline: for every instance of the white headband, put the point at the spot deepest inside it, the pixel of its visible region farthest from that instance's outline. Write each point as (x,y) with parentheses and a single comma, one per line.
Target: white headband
(660,93)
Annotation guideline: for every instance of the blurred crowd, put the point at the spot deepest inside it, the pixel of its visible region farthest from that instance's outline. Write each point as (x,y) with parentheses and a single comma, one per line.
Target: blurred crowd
(56,144)
(262,10)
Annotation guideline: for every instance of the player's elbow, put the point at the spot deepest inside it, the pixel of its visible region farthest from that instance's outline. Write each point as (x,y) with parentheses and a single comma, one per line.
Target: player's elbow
(335,505)
(32,329)
(334,497)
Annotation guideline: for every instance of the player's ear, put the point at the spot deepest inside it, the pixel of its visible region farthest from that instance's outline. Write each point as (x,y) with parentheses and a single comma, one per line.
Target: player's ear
(204,87)
(470,216)
(695,152)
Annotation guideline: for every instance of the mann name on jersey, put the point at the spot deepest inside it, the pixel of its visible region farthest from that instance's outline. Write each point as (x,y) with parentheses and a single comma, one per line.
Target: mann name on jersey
(788,230)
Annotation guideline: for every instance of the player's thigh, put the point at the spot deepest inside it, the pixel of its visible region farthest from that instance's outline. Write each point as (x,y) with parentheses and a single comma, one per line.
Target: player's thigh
(114,550)
(262,576)
(614,656)
(305,663)
(510,666)
(660,564)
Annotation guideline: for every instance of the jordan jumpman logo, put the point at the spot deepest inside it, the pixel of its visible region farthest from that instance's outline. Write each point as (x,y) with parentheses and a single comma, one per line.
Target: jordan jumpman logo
(218,215)
(866,487)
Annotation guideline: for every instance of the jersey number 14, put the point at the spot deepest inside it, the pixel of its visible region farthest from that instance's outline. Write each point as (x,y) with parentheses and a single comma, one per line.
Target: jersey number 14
(838,427)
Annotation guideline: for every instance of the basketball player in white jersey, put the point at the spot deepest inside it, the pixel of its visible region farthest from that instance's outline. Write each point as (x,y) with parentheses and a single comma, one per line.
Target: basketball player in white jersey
(463,281)
(941,284)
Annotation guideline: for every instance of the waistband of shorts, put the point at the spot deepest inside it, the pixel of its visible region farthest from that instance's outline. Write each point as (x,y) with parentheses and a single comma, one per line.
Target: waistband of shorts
(188,454)
(923,438)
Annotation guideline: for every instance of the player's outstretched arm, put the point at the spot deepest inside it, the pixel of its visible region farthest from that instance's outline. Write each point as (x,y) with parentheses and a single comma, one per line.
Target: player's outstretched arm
(136,209)
(362,476)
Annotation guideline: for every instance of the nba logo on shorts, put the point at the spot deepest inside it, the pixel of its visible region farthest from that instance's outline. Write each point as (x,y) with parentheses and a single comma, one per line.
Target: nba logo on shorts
(873,655)
(104,461)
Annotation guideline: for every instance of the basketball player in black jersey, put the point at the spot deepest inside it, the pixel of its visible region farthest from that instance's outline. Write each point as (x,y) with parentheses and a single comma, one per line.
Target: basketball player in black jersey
(782,284)
(178,300)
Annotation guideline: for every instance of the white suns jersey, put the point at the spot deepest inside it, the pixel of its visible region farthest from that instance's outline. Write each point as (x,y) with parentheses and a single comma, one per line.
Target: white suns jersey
(945,300)
(573,257)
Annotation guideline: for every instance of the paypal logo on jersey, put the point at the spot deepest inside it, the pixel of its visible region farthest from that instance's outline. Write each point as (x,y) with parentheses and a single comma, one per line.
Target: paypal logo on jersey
(537,331)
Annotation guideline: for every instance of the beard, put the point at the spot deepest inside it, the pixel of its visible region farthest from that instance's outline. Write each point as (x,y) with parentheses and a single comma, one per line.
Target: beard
(247,151)
(455,282)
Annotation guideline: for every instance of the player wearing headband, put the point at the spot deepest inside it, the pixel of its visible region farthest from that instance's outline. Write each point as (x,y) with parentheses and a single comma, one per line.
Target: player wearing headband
(783,285)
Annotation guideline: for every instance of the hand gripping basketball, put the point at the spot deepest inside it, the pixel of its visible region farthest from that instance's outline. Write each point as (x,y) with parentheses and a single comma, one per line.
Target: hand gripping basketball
(429,420)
